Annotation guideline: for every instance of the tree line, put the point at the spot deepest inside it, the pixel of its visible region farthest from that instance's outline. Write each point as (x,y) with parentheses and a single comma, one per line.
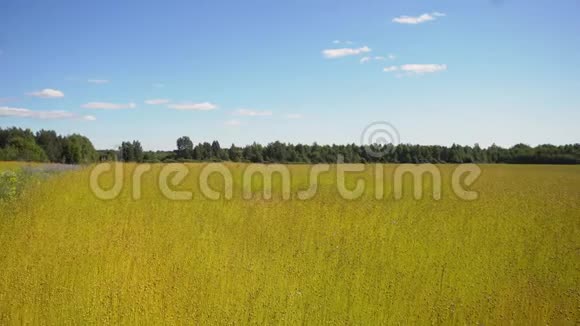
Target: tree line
(46,146)
(278,152)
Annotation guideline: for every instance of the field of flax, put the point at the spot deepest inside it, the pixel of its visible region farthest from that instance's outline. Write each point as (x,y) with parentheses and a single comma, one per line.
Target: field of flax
(510,257)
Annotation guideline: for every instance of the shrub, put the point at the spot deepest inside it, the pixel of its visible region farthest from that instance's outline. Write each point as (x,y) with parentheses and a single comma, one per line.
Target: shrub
(9,185)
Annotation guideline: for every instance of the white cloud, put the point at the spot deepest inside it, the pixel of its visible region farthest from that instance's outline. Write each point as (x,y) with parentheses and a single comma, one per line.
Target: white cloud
(98,81)
(45,115)
(293,116)
(157,101)
(423,68)
(232,123)
(253,113)
(48,93)
(392,57)
(417,69)
(205,106)
(158,85)
(413,20)
(341,42)
(369,59)
(108,106)
(337,53)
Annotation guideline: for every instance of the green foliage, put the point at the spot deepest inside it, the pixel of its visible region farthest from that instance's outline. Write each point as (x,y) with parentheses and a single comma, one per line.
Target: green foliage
(22,145)
(235,153)
(51,143)
(16,178)
(107,155)
(8,185)
(278,152)
(131,151)
(137,151)
(184,148)
(78,149)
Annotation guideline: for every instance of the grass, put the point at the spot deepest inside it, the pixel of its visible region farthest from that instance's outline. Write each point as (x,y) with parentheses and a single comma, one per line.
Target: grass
(16,165)
(510,257)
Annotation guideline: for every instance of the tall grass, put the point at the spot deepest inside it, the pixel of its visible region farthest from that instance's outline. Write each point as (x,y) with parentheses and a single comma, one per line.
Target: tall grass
(510,257)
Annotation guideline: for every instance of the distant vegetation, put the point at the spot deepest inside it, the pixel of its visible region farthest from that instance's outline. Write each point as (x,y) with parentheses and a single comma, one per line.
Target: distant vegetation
(15,178)
(46,146)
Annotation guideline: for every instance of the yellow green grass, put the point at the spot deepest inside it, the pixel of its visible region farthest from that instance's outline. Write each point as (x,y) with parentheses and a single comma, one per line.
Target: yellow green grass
(16,165)
(510,257)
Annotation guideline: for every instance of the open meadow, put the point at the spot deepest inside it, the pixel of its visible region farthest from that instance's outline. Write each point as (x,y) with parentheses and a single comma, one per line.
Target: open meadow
(304,162)
(508,257)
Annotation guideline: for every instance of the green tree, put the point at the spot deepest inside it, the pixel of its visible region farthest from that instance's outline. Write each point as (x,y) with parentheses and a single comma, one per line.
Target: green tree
(216,150)
(127,152)
(137,151)
(51,143)
(184,148)
(78,149)
(234,153)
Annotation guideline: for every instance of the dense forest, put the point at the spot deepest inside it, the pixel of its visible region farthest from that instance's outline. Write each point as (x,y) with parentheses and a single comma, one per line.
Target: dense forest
(47,146)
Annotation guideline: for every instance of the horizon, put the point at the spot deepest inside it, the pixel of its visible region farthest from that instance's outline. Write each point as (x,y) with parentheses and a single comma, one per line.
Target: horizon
(225,146)
(491,72)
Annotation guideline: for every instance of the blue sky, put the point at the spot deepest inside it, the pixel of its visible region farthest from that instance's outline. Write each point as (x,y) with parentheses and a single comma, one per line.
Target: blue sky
(441,72)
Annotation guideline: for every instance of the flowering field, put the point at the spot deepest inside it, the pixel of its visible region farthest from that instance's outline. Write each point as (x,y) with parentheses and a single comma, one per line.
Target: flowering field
(510,256)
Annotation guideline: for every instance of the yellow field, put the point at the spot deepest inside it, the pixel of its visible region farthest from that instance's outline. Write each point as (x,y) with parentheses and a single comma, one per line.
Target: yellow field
(15,165)
(510,257)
